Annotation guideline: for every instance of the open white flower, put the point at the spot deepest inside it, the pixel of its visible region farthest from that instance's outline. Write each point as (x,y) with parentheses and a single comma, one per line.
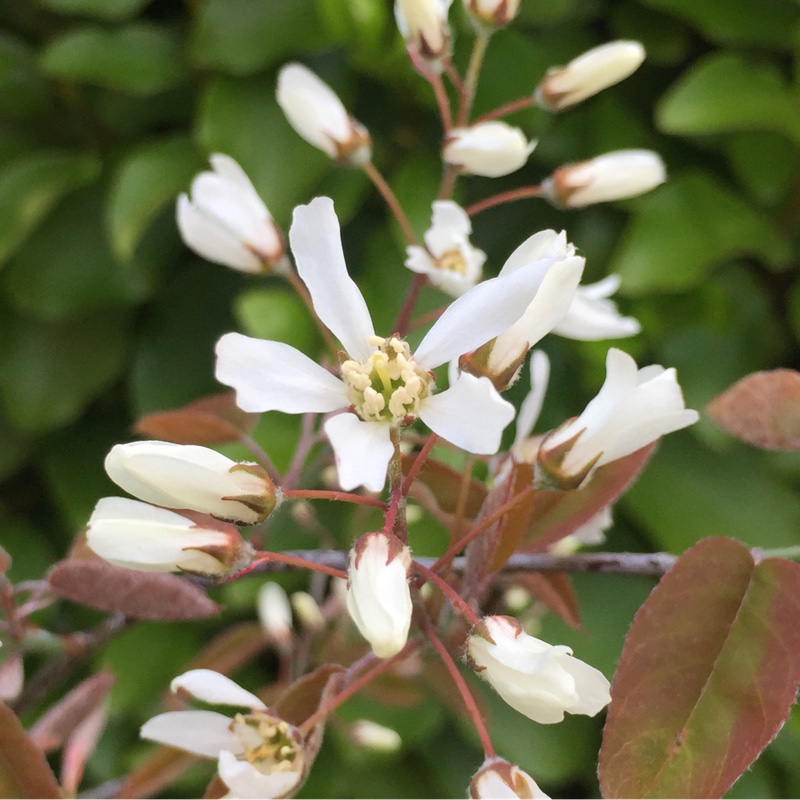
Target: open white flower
(633,408)
(449,260)
(378,596)
(423,24)
(592,316)
(498,779)
(539,680)
(588,74)
(490,149)
(317,114)
(192,477)
(381,382)
(140,536)
(258,754)
(226,222)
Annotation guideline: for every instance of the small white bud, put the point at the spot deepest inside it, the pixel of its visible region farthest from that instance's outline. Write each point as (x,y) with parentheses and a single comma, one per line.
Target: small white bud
(275,613)
(375,737)
(498,779)
(588,74)
(490,149)
(308,611)
(423,24)
(613,176)
(492,13)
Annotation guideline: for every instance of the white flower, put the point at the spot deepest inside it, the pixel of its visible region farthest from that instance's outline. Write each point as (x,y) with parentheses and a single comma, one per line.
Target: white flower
(317,114)
(490,149)
(451,263)
(612,176)
(493,12)
(423,24)
(140,536)
(633,408)
(226,222)
(539,680)
(258,754)
(378,597)
(498,779)
(382,382)
(592,316)
(588,74)
(192,477)
(274,612)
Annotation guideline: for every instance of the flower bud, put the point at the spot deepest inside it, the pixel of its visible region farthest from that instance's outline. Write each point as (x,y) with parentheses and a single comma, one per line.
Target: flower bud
(275,613)
(140,536)
(498,779)
(375,737)
(539,680)
(613,176)
(423,24)
(492,13)
(588,74)
(317,114)
(193,477)
(226,222)
(308,611)
(490,149)
(378,597)
(633,408)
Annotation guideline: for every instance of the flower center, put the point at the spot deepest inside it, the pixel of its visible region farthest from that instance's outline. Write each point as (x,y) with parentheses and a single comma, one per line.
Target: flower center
(387,386)
(452,261)
(270,743)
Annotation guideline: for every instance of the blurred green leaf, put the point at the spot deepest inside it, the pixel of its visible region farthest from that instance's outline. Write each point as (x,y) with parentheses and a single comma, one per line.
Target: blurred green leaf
(102,9)
(139,58)
(147,179)
(734,21)
(727,92)
(244,36)
(50,372)
(666,40)
(23,93)
(31,185)
(30,548)
(765,163)
(686,228)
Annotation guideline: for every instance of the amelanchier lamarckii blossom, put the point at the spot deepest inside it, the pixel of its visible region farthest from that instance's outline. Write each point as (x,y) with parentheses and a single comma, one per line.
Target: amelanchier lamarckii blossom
(423,24)
(633,408)
(490,149)
(225,221)
(539,680)
(593,316)
(258,754)
(497,779)
(449,260)
(381,383)
(185,476)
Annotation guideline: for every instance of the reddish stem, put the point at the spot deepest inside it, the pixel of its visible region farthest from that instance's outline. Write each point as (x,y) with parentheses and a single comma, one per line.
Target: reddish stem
(507,108)
(418,463)
(325,494)
(452,595)
(401,323)
(503,197)
(391,200)
(292,560)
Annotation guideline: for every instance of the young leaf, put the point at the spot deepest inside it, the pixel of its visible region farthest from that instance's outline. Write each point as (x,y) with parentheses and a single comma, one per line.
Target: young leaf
(762,409)
(708,675)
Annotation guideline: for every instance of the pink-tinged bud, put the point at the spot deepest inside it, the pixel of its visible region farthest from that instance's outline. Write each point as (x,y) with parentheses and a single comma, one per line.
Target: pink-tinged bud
(498,779)
(490,149)
(537,679)
(225,221)
(317,114)
(140,536)
(588,74)
(187,476)
(275,613)
(633,408)
(492,13)
(378,597)
(613,176)
(423,24)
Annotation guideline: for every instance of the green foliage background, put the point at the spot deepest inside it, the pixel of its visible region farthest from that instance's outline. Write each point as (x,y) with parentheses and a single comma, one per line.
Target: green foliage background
(109,107)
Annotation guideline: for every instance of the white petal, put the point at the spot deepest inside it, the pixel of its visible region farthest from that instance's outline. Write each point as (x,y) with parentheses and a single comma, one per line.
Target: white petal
(470,414)
(544,244)
(479,315)
(532,404)
(594,690)
(212,687)
(245,781)
(362,451)
(272,376)
(317,245)
(204,733)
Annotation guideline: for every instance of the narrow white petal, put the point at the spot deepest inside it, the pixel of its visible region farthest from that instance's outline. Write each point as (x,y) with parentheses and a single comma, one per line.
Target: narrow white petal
(204,733)
(212,687)
(317,245)
(272,376)
(470,414)
(245,781)
(362,451)
(532,404)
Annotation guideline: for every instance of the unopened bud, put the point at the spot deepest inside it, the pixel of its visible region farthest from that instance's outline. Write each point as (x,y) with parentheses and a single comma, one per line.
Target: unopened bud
(492,13)
(375,737)
(588,74)
(613,176)
(317,114)
(423,24)
(490,149)
(275,613)
(497,778)
(308,611)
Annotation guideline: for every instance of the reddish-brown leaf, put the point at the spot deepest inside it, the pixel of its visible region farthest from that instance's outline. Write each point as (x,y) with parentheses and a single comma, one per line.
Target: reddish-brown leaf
(95,583)
(707,677)
(24,771)
(159,770)
(210,420)
(302,698)
(554,589)
(762,409)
